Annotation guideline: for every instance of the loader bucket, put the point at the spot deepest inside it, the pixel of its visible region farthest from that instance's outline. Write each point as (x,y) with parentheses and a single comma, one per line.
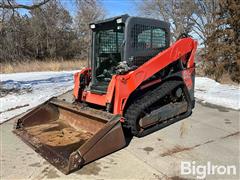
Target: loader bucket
(70,136)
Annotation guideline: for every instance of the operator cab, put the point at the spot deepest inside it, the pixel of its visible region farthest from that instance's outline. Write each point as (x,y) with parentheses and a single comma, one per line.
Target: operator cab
(124,38)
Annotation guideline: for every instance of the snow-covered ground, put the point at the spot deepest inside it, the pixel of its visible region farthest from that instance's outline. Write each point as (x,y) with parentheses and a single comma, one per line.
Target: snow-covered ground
(212,92)
(22,91)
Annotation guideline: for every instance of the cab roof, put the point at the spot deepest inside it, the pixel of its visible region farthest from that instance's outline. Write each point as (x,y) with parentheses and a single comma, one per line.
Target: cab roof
(124,18)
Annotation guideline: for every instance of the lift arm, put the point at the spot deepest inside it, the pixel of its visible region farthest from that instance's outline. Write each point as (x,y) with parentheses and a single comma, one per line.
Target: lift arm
(126,84)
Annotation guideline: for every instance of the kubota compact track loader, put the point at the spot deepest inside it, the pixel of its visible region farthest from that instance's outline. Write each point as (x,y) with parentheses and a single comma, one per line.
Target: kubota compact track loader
(136,82)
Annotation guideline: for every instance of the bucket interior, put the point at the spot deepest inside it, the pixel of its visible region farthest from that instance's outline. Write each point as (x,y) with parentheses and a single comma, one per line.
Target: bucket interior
(61,130)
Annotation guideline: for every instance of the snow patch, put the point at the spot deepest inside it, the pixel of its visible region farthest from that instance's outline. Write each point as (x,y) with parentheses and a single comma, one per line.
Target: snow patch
(23,91)
(10,87)
(212,92)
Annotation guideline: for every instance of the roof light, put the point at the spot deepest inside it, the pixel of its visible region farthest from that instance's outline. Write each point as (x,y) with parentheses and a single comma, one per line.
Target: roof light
(119,21)
(92,26)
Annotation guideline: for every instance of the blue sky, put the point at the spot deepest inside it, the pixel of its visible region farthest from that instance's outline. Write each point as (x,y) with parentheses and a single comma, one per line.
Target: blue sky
(118,7)
(112,7)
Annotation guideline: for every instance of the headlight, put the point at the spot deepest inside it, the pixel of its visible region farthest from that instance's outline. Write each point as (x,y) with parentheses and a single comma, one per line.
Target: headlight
(119,21)
(92,26)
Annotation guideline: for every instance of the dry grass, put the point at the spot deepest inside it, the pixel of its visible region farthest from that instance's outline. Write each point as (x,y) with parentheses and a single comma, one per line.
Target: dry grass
(61,65)
(48,65)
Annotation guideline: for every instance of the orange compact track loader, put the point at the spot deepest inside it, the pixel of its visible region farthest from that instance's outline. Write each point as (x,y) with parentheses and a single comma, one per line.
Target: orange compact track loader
(136,83)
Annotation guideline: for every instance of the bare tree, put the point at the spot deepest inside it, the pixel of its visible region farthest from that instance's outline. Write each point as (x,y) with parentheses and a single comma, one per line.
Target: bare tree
(9,4)
(184,15)
(46,33)
(48,24)
(87,12)
(177,12)
(204,15)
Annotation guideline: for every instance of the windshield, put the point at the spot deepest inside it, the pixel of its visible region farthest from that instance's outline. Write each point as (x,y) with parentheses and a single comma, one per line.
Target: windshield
(108,52)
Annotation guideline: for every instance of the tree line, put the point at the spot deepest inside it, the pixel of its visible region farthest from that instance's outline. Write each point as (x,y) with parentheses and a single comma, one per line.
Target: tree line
(50,31)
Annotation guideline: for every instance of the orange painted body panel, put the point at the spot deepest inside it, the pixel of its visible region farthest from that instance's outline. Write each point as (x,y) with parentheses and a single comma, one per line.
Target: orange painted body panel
(99,99)
(122,86)
(87,96)
(77,88)
(110,90)
(76,84)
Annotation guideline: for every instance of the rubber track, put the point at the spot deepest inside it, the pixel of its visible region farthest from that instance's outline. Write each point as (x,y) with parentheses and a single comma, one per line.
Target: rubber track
(136,108)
